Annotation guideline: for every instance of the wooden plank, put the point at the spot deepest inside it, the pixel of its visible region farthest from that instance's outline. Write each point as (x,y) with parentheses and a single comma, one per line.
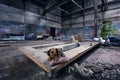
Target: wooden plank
(74,54)
(40,57)
(63,46)
(4,45)
(36,57)
(74,38)
(45,45)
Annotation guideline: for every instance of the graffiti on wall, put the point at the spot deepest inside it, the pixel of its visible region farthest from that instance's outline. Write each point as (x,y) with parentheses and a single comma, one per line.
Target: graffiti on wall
(7,27)
(87,31)
(20,28)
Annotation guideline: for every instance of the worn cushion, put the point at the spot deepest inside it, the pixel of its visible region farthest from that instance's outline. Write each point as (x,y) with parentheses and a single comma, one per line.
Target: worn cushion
(60,61)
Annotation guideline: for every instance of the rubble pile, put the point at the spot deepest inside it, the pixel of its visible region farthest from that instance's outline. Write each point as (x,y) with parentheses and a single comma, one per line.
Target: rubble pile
(106,72)
(97,71)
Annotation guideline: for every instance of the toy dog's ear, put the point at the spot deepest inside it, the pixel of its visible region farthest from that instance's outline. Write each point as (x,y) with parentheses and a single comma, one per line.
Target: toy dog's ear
(48,53)
(61,49)
(56,50)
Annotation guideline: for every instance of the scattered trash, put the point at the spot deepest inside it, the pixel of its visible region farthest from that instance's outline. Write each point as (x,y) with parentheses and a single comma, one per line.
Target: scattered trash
(96,39)
(102,41)
(81,70)
(106,71)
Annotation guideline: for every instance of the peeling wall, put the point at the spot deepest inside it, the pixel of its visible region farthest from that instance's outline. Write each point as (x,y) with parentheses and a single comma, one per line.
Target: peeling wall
(76,21)
(87,31)
(8,13)
(13,20)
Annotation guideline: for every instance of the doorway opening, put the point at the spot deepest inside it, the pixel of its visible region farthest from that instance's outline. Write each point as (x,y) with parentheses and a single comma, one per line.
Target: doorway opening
(52,32)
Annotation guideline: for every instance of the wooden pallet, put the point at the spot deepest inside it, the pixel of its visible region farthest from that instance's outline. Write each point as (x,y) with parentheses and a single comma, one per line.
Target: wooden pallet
(4,45)
(37,53)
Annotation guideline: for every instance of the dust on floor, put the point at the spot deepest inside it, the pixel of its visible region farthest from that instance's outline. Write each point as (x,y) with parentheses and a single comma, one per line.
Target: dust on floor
(103,61)
(16,66)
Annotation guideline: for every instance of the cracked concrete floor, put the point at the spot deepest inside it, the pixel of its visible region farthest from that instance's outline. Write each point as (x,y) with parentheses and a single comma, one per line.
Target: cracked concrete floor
(100,56)
(103,54)
(16,66)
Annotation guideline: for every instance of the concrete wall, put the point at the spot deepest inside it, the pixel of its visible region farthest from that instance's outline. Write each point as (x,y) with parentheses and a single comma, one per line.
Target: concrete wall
(76,21)
(14,20)
(30,17)
(8,13)
(112,13)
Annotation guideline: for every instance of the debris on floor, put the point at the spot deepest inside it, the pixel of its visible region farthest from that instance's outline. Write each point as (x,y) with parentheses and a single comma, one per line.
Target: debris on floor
(103,62)
(80,70)
(97,71)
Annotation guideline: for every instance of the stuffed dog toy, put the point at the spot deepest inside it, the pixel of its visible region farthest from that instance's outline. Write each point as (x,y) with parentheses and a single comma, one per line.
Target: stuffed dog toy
(54,54)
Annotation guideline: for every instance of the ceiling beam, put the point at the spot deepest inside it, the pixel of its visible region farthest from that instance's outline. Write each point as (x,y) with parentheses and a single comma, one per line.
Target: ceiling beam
(77,4)
(91,8)
(38,3)
(104,5)
(54,6)
(63,10)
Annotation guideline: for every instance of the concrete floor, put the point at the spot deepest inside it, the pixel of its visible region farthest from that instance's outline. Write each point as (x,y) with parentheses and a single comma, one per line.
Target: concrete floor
(16,66)
(103,61)
(104,55)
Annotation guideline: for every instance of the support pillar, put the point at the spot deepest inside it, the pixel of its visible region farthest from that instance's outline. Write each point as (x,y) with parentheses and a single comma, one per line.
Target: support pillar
(95,19)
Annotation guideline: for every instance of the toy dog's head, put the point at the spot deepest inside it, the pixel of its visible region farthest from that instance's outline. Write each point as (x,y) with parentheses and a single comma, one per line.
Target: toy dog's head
(53,54)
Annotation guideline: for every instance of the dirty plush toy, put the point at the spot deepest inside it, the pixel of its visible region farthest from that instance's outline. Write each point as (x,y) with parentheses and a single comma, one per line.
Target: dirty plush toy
(56,56)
